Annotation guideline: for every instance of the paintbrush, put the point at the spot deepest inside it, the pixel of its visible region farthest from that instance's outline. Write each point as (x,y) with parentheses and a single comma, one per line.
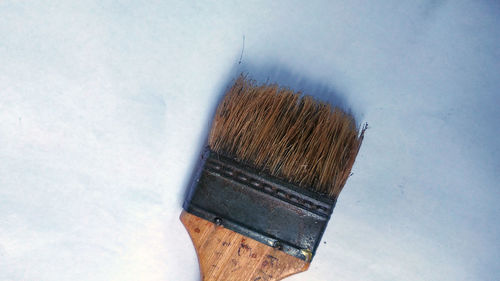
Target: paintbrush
(267,182)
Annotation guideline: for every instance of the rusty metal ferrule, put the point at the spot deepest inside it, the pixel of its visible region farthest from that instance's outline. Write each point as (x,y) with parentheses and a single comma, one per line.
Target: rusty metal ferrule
(249,202)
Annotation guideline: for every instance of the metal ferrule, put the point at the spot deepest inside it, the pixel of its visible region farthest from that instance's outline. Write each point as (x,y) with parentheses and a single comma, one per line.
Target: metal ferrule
(249,202)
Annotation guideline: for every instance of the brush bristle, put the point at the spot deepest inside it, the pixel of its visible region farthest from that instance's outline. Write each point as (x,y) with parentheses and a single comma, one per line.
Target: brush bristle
(292,137)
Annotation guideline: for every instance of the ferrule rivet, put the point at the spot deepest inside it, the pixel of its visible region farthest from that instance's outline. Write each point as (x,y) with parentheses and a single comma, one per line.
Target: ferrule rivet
(277,245)
(218,221)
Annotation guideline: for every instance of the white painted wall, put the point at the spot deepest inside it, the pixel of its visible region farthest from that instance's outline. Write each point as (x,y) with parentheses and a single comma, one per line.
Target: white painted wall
(104,106)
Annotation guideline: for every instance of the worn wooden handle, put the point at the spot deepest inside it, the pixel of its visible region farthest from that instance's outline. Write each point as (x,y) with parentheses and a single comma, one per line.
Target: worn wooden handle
(225,255)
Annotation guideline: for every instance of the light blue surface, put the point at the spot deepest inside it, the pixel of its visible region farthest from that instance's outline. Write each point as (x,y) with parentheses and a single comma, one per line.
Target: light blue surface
(104,106)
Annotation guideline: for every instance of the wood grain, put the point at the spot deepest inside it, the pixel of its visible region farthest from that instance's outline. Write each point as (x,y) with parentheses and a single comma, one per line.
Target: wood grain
(225,255)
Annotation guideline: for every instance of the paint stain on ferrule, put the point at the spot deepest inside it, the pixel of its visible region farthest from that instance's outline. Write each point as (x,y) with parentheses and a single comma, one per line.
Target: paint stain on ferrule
(277,245)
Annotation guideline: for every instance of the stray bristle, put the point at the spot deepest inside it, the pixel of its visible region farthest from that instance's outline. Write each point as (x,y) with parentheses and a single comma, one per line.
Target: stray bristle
(295,138)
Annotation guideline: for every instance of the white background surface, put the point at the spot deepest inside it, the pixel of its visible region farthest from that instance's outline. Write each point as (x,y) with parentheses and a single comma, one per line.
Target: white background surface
(104,106)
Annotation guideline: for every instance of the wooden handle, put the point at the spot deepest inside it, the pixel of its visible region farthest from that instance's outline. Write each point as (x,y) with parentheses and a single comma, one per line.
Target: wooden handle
(225,255)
